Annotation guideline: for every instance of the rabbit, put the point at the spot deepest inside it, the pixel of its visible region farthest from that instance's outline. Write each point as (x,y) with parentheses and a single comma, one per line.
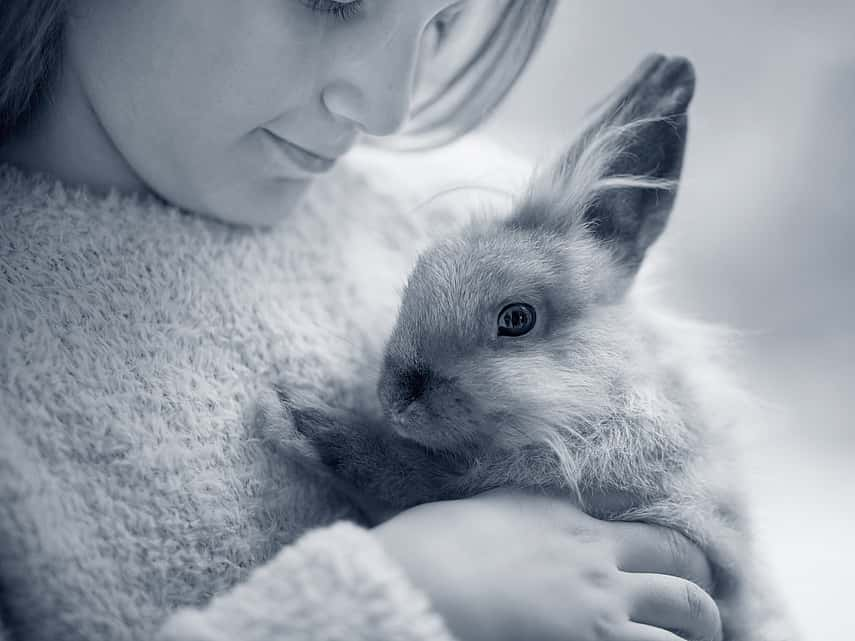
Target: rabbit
(522,356)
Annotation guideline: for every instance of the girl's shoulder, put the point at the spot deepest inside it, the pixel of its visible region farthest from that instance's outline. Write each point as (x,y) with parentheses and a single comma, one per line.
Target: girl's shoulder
(443,186)
(474,157)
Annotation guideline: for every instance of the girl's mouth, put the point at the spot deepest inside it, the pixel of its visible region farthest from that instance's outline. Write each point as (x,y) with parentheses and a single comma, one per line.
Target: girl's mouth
(286,151)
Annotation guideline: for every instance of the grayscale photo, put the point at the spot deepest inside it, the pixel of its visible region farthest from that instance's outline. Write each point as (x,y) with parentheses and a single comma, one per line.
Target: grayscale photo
(426,320)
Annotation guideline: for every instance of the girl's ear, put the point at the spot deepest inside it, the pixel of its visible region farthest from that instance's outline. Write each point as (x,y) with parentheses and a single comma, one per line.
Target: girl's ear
(619,179)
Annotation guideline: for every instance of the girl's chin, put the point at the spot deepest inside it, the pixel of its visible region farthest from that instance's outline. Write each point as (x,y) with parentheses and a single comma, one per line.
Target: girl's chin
(264,204)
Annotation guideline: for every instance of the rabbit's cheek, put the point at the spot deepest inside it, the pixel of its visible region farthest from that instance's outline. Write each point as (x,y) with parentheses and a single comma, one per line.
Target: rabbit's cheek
(511,440)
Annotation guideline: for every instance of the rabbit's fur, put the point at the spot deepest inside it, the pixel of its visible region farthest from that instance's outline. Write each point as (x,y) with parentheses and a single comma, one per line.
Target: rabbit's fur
(605,395)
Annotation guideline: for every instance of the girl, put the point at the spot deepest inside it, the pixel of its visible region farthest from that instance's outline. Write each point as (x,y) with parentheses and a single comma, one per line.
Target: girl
(183,220)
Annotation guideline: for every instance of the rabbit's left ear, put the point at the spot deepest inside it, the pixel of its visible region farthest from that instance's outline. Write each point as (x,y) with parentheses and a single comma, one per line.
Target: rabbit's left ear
(619,179)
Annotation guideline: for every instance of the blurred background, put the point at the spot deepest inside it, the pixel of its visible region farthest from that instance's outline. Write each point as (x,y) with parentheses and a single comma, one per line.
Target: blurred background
(762,236)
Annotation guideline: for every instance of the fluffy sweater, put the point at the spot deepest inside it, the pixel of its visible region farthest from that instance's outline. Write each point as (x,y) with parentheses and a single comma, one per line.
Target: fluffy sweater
(137,499)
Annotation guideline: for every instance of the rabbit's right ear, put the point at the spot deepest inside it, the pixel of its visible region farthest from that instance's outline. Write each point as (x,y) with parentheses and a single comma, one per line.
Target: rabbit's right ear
(619,179)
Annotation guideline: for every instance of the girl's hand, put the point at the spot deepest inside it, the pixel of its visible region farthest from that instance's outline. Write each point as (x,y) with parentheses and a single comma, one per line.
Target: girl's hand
(509,564)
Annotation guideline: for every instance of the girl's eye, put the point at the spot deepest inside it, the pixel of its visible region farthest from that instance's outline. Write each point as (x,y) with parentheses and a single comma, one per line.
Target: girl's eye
(516,319)
(342,9)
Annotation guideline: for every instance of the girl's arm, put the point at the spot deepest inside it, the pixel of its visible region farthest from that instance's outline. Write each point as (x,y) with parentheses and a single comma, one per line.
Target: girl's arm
(335,582)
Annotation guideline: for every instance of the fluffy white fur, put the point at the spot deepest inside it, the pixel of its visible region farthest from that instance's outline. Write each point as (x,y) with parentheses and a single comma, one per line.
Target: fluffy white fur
(136,341)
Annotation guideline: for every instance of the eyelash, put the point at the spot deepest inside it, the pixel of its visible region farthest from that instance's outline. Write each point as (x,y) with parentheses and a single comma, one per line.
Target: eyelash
(345,11)
(342,10)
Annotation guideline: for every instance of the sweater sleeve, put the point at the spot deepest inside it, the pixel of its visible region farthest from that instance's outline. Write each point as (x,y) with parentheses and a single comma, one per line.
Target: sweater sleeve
(334,583)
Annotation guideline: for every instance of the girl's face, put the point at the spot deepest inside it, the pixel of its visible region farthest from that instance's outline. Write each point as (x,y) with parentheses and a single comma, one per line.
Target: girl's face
(203,101)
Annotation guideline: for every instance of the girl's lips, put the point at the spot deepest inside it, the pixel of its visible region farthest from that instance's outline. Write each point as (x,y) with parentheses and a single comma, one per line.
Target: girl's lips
(300,157)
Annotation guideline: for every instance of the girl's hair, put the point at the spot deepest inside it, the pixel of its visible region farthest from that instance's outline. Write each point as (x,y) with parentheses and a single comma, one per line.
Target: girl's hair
(31,33)
(30,55)
(477,86)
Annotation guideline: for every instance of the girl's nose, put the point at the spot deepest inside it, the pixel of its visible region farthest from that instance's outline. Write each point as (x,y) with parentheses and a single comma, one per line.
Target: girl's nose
(374,90)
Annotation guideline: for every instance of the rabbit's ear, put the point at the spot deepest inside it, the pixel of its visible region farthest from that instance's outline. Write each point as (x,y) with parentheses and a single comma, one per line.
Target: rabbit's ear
(619,179)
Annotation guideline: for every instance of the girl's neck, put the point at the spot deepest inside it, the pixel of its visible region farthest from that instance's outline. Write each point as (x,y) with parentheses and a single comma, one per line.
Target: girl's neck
(66,139)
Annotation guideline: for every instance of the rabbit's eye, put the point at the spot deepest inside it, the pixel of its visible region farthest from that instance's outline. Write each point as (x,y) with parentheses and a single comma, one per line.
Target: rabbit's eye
(516,319)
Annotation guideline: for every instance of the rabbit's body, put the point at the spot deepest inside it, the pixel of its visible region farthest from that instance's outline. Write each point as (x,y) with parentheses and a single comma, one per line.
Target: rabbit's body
(587,386)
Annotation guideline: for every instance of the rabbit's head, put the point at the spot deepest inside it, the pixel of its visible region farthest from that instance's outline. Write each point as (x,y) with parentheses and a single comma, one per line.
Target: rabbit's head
(515,323)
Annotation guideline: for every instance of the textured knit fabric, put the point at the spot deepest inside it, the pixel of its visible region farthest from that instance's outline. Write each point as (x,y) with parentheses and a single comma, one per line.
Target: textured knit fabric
(138,341)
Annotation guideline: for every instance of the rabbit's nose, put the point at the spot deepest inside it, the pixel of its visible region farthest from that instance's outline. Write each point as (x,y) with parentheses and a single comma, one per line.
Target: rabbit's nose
(402,383)
(412,385)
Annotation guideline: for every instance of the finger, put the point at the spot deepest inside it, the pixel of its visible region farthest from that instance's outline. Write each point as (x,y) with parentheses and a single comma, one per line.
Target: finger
(643,547)
(674,604)
(642,632)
